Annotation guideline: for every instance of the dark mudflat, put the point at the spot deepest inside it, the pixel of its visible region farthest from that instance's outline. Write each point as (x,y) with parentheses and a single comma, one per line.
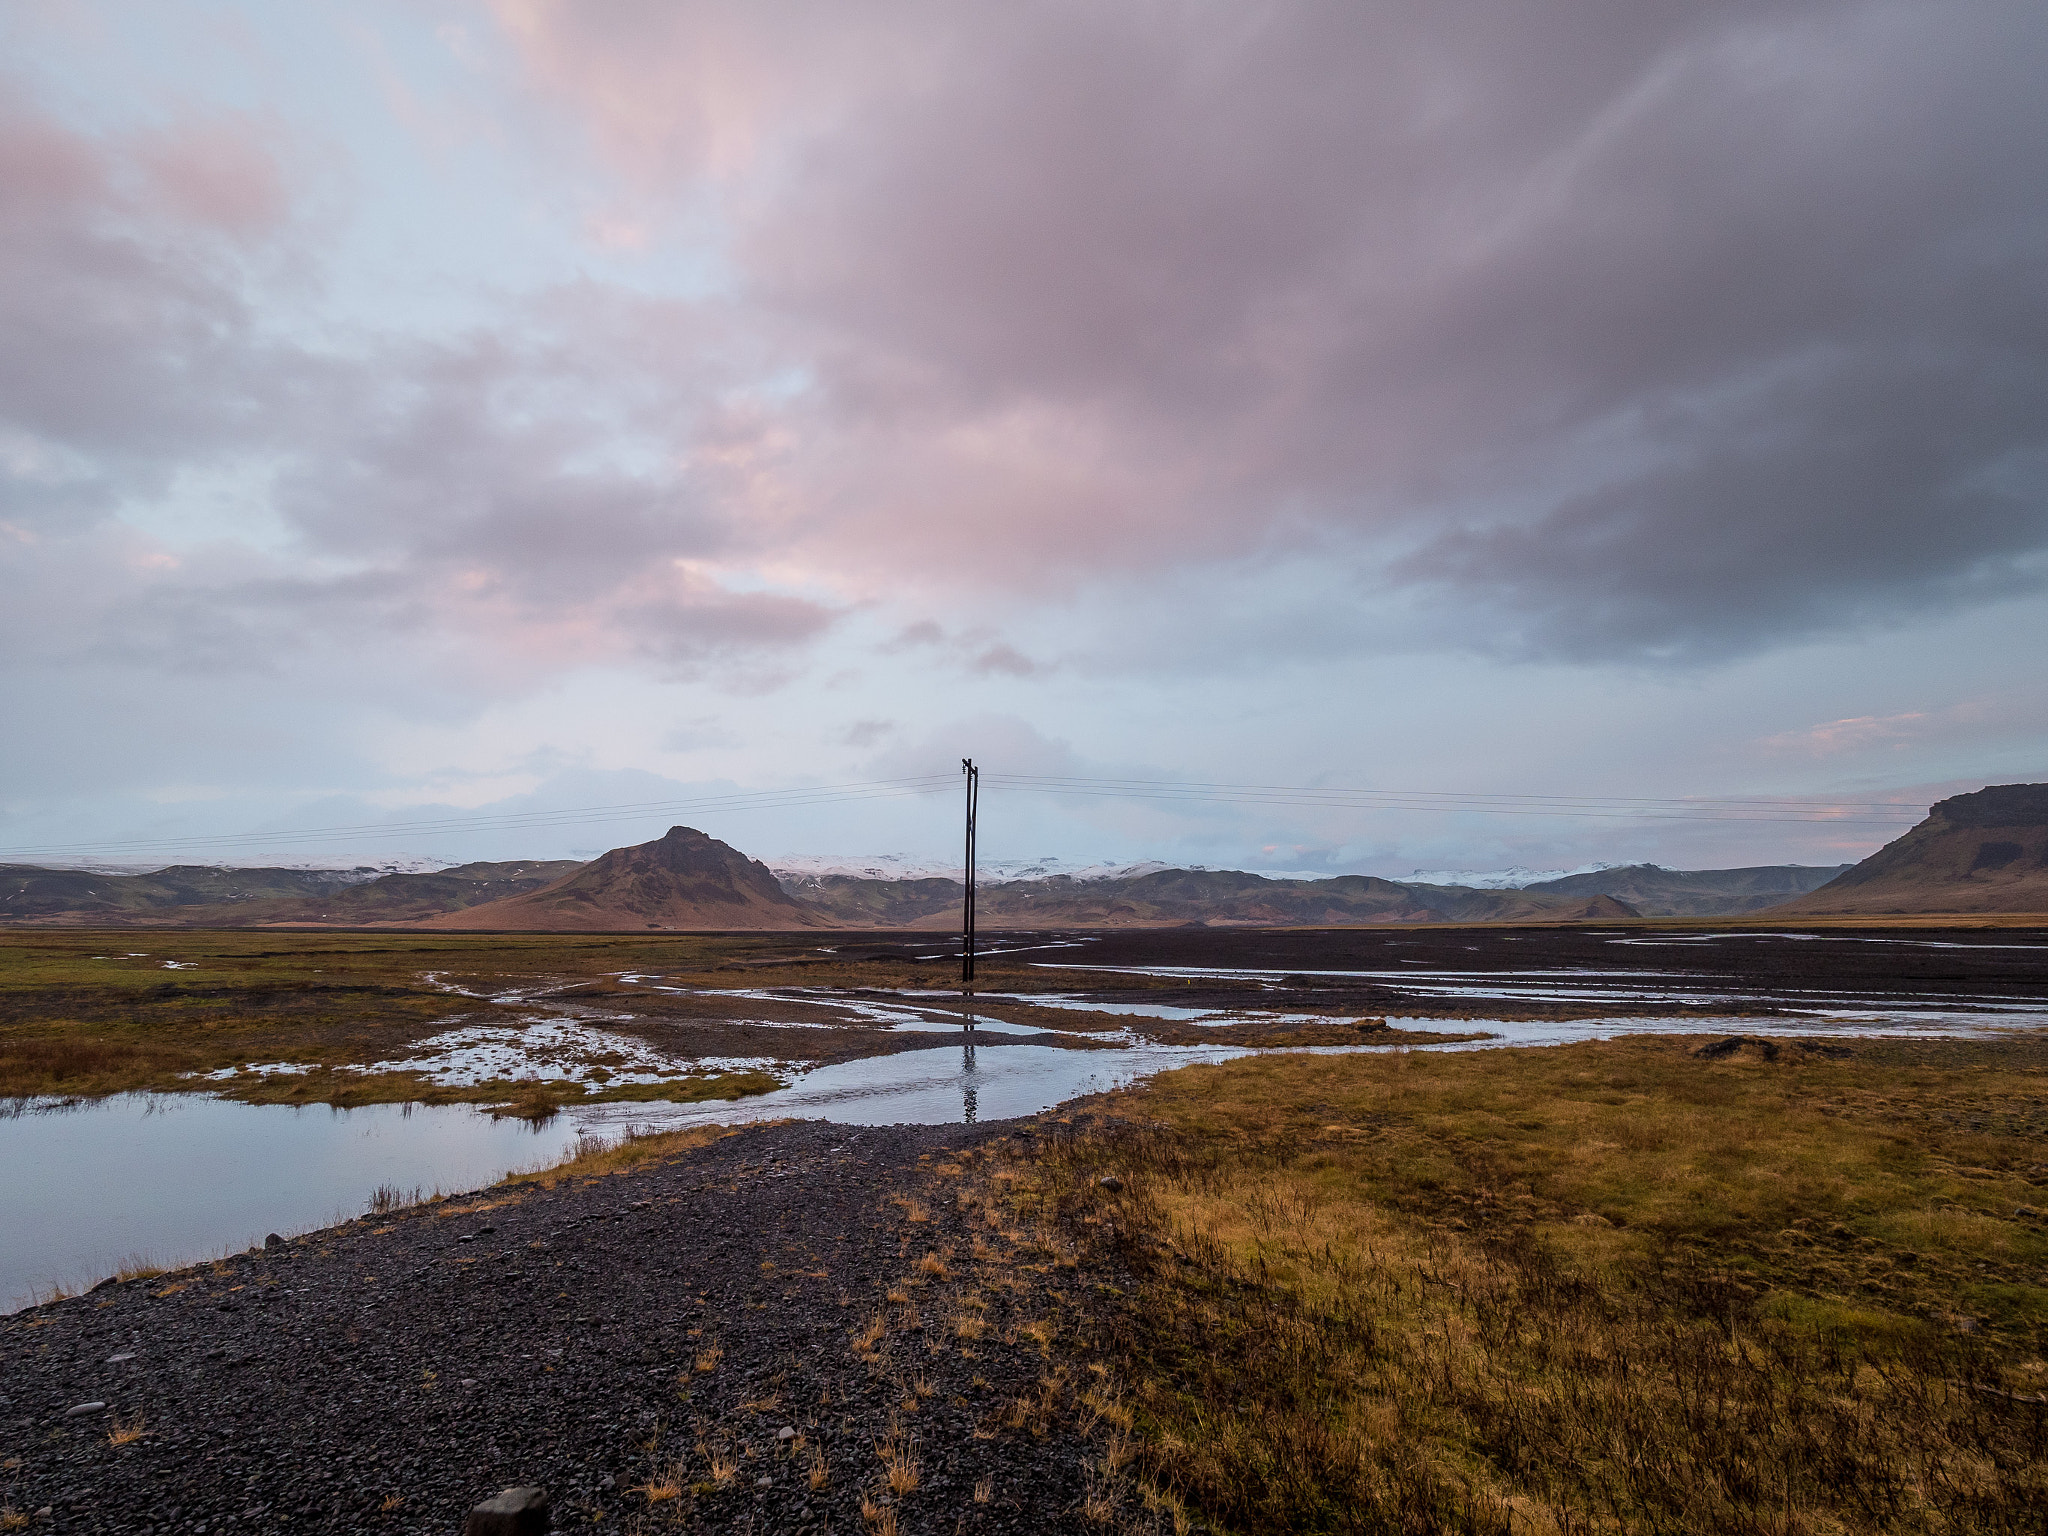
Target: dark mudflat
(389,1374)
(1742,966)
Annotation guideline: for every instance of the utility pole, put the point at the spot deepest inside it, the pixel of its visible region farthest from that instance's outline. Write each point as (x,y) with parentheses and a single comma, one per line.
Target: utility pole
(967,913)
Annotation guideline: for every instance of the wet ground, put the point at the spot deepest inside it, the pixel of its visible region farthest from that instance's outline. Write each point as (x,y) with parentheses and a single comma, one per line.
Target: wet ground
(1531,972)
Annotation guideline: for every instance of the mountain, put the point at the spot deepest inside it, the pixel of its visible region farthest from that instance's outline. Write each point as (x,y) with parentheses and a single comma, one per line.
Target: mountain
(685,880)
(1982,852)
(1171,897)
(1654,891)
(204,896)
(411,898)
(28,892)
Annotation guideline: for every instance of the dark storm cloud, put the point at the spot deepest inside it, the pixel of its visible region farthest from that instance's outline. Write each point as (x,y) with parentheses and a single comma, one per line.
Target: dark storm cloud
(1662,331)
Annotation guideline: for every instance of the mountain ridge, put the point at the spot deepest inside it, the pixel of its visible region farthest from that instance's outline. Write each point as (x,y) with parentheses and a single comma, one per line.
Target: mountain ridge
(1986,851)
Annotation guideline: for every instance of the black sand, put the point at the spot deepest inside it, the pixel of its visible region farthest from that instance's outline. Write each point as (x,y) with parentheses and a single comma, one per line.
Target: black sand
(386,1375)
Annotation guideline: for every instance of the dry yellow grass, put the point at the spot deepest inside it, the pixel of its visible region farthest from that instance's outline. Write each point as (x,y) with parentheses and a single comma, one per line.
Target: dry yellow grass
(903,1472)
(618,1157)
(662,1487)
(1609,1287)
(870,1335)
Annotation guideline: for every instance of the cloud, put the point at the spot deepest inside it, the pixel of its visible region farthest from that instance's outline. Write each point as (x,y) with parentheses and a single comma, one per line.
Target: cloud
(1856,734)
(1656,331)
(868,733)
(514,492)
(1004,659)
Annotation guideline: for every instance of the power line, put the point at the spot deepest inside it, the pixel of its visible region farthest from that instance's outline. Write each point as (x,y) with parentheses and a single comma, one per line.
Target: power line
(774,799)
(1758,808)
(1618,808)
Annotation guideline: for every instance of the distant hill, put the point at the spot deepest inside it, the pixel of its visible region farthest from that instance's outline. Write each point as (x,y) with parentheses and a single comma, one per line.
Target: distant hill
(202,896)
(1657,892)
(413,898)
(685,880)
(688,880)
(1172,897)
(1982,852)
(28,892)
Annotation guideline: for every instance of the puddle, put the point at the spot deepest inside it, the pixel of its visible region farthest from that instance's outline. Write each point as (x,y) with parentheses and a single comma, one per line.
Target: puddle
(182,1177)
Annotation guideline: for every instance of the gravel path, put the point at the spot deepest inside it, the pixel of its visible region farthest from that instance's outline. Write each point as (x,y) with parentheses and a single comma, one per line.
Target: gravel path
(694,1324)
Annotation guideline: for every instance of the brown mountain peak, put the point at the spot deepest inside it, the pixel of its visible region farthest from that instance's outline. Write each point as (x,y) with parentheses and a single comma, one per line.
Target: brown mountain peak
(685,879)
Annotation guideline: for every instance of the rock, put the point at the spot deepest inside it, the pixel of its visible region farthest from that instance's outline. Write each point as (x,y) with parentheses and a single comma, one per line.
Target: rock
(2027,1213)
(764,1482)
(1112,1183)
(785,1433)
(117,1359)
(515,1512)
(79,1409)
(105,1285)
(273,1241)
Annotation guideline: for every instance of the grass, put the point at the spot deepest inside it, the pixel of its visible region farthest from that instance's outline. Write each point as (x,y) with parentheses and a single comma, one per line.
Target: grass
(1609,1287)
(127,1433)
(596,1158)
(88,1013)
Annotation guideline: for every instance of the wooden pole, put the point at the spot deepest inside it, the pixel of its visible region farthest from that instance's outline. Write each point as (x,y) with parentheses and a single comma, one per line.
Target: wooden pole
(973,775)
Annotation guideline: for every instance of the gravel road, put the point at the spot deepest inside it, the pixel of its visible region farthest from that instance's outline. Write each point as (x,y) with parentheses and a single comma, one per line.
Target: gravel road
(675,1347)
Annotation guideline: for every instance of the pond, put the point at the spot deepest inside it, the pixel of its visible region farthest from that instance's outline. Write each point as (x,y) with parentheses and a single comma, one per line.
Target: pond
(174,1179)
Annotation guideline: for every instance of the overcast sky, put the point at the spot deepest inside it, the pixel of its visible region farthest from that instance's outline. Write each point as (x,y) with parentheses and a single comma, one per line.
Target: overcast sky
(425,406)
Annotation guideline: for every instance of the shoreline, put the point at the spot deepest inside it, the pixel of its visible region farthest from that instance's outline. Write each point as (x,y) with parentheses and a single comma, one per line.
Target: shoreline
(592,1333)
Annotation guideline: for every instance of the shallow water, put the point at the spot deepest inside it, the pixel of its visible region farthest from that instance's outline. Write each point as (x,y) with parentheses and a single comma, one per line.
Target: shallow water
(1580,984)
(180,1178)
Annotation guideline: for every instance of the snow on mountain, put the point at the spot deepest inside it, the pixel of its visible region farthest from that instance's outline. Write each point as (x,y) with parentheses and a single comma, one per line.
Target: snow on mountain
(1515,879)
(903,866)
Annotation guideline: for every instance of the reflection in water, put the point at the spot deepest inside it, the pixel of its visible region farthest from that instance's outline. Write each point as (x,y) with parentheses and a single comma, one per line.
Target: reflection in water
(968,1085)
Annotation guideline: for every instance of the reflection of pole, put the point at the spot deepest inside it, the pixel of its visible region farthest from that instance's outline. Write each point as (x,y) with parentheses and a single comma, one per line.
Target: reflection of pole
(968,1105)
(967,912)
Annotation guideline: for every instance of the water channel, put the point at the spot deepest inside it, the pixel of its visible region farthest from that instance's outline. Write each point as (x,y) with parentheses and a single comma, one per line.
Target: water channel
(177,1178)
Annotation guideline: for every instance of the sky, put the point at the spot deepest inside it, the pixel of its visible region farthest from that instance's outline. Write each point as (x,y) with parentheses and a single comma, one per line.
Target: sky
(437,419)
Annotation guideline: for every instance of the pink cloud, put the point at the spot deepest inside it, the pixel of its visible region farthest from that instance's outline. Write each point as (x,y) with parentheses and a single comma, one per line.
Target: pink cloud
(218,172)
(1645,324)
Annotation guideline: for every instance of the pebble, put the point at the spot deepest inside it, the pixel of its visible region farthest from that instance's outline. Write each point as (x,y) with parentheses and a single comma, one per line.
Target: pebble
(311,1419)
(515,1512)
(83,1408)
